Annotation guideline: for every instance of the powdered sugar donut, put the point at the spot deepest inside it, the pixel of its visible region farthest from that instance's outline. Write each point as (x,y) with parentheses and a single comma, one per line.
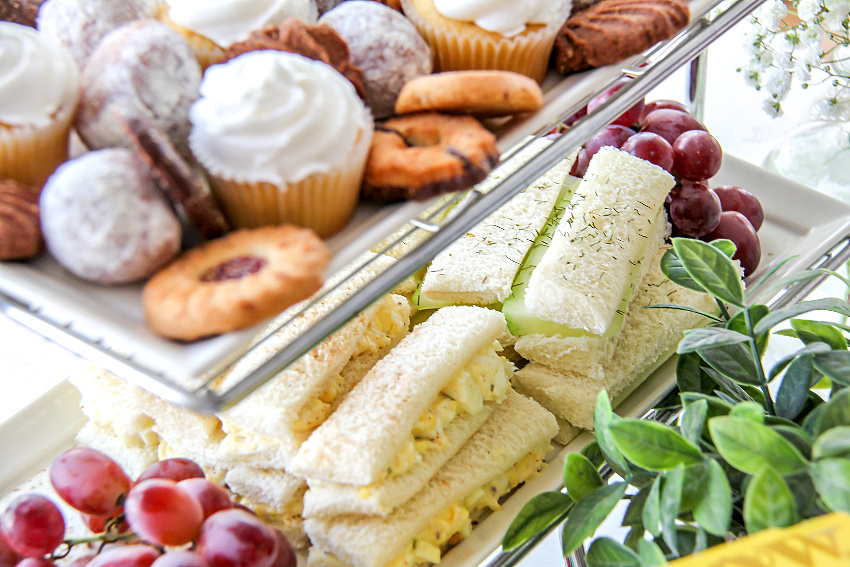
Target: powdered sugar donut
(79,25)
(105,220)
(385,45)
(142,69)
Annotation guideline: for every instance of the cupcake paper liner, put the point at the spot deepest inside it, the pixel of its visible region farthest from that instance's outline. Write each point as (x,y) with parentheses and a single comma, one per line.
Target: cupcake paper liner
(463,45)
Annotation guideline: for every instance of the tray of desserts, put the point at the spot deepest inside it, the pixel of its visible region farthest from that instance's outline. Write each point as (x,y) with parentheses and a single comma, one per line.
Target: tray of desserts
(110,324)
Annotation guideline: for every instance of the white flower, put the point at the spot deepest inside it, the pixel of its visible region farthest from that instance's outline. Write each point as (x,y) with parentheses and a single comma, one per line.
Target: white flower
(807,10)
(770,14)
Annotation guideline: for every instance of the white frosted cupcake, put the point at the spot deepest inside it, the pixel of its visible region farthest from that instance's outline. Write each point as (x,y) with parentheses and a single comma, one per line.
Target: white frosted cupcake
(283,138)
(39,91)
(211,26)
(490,34)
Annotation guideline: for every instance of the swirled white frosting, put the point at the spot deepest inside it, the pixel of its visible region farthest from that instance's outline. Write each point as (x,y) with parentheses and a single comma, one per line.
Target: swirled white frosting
(506,17)
(228,21)
(276,117)
(37,77)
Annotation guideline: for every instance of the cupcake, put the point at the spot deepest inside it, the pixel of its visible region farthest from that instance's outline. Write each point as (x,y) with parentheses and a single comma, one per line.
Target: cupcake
(283,139)
(490,34)
(214,25)
(39,90)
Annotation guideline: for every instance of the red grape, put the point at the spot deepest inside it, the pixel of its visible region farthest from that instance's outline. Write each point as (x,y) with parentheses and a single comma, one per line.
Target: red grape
(694,209)
(125,556)
(35,562)
(211,496)
(733,198)
(576,116)
(651,147)
(89,481)
(32,525)
(158,511)
(657,104)
(697,155)
(285,554)
(8,556)
(234,538)
(181,558)
(98,524)
(670,124)
(175,469)
(629,117)
(613,135)
(735,227)
(580,164)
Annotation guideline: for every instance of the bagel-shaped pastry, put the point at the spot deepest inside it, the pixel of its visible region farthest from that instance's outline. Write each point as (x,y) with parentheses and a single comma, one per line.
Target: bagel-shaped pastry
(234,282)
(422,155)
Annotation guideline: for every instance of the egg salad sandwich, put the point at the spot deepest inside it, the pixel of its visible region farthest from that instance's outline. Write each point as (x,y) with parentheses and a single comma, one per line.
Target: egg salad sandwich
(412,408)
(508,449)
(566,374)
(587,273)
(480,267)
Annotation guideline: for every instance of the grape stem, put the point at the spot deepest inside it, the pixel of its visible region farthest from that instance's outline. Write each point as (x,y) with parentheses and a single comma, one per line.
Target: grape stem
(104,538)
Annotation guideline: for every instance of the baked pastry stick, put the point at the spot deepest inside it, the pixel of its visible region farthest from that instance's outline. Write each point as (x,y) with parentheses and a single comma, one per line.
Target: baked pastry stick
(610,31)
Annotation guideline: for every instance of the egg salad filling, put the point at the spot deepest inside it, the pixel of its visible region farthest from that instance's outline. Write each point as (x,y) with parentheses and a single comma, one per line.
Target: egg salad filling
(455,523)
(280,516)
(388,322)
(485,378)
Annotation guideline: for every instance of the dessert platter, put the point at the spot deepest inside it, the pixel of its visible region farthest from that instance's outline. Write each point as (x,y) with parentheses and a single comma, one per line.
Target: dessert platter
(106,324)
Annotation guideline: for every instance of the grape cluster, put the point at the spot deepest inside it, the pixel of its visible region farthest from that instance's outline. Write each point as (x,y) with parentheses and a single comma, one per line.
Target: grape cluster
(170,516)
(665,133)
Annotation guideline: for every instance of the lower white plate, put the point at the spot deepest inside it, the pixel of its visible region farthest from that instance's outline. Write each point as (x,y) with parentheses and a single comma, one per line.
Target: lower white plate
(799,223)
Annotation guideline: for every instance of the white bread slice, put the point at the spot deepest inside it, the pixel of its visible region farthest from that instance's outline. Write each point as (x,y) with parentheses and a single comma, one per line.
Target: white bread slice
(648,337)
(133,458)
(358,442)
(331,498)
(269,416)
(587,355)
(480,267)
(602,236)
(516,427)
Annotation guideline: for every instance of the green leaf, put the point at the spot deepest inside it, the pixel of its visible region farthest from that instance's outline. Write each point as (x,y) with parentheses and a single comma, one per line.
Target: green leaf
(750,411)
(749,446)
(539,514)
(796,436)
(652,508)
(695,340)
(589,513)
(652,445)
(783,362)
(580,476)
(735,361)
(726,246)
(817,332)
(694,480)
(634,511)
(593,453)
(835,365)
(834,304)
(650,554)
(689,375)
(832,444)
(730,387)
(836,412)
(671,501)
(794,390)
(832,481)
(754,287)
(713,509)
(716,407)
(605,552)
(768,502)
(811,424)
(692,421)
(738,323)
(603,417)
(803,489)
(673,269)
(711,269)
